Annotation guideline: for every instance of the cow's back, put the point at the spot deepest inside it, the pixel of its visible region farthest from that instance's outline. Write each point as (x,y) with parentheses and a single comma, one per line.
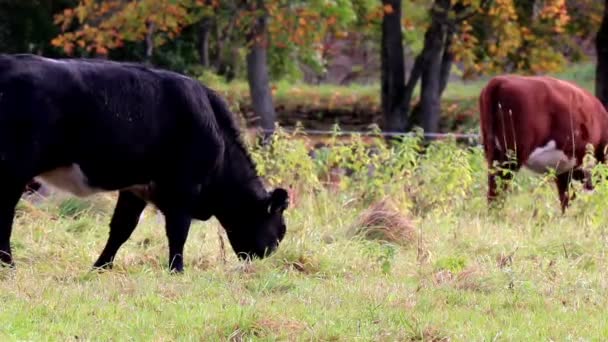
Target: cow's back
(121,123)
(537,109)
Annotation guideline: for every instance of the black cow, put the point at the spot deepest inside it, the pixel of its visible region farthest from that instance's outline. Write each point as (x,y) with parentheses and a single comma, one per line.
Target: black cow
(87,125)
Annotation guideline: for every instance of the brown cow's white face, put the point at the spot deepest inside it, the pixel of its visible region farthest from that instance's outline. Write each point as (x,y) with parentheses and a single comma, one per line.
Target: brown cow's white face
(547,157)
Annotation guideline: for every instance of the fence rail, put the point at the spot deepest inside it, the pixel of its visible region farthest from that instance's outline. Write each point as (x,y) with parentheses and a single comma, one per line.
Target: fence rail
(470,136)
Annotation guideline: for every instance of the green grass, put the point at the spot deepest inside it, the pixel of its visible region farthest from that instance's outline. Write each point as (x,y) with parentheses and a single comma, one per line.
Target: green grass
(522,273)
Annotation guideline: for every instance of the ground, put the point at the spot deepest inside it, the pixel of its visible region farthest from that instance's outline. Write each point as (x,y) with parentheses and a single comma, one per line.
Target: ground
(459,272)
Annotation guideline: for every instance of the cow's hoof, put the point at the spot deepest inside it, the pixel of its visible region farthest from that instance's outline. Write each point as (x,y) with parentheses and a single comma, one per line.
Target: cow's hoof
(6,260)
(177,270)
(102,267)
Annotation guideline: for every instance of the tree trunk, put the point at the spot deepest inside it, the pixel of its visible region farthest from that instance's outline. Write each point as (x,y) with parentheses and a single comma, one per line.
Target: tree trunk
(430,90)
(446,63)
(149,41)
(257,70)
(393,73)
(223,63)
(415,74)
(204,30)
(601,72)
(433,66)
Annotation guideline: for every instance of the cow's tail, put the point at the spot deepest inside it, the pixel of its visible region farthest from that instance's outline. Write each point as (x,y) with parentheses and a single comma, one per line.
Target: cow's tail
(488,111)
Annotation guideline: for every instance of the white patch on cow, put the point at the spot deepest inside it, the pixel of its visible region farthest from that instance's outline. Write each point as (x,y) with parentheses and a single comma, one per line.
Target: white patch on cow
(588,191)
(549,157)
(70,179)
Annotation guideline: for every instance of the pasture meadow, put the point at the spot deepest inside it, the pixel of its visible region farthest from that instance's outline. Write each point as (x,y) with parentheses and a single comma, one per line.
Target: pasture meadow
(394,245)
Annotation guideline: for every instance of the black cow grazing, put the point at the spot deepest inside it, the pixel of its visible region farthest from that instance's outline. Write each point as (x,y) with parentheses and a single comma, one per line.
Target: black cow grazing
(86,126)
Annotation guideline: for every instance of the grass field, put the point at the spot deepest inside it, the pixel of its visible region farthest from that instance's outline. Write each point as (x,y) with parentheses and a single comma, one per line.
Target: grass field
(408,253)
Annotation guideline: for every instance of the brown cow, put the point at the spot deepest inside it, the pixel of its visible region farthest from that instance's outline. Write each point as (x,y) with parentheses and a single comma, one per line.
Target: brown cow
(545,123)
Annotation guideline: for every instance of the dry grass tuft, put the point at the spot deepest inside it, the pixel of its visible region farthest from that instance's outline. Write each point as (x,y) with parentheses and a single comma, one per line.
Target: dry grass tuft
(504,260)
(433,334)
(386,222)
(303,265)
(469,279)
(443,277)
(281,326)
(27,207)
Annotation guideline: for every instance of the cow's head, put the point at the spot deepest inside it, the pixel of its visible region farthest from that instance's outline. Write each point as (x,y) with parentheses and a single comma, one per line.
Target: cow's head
(256,229)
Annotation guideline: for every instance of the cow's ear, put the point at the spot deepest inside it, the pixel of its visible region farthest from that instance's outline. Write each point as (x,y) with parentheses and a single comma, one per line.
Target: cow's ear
(278,201)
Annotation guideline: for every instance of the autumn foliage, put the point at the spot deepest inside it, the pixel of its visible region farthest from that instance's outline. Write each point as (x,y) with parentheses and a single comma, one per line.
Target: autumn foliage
(99,26)
(102,26)
(529,37)
(519,36)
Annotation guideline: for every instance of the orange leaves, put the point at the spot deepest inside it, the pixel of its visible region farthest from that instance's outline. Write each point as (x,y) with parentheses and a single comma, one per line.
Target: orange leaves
(375,14)
(463,47)
(100,50)
(299,26)
(527,34)
(105,25)
(503,9)
(65,43)
(388,9)
(519,38)
(408,24)
(305,25)
(555,13)
(342,34)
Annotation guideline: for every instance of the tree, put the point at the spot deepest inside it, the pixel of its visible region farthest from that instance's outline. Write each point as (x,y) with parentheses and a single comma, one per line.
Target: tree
(437,57)
(530,37)
(204,33)
(601,45)
(257,66)
(298,30)
(432,65)
(105,25)
(435,43)
(483,37)
(392,68)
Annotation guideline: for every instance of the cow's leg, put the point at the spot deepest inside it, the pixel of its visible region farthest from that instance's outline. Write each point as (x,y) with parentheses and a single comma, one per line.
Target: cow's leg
(563,183)
(177,225)
(584,176)
(499,178)
(124,220)
(176,206)
(587,179)
(10,193)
